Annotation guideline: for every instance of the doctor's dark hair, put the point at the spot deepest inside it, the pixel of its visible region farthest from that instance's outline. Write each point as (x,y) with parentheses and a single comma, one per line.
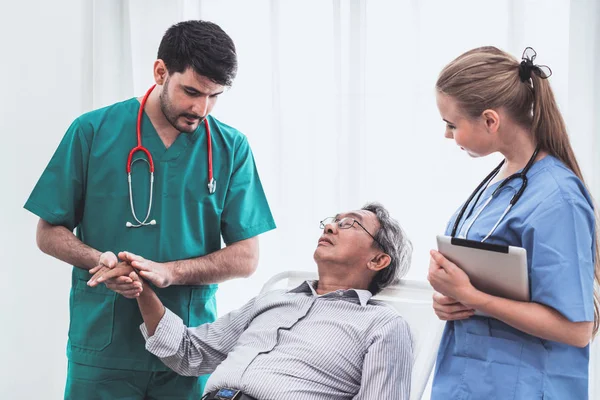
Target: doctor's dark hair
(488,78)
(201,45)
(395,243)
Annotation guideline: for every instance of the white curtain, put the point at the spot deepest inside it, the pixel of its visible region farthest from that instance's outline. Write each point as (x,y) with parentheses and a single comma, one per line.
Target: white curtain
(336,98)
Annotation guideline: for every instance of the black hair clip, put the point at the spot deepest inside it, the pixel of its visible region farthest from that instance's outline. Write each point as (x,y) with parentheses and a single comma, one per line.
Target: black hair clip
(527,66)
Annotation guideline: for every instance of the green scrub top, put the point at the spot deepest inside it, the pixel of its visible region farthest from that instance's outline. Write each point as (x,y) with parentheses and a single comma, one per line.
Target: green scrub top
(84,187)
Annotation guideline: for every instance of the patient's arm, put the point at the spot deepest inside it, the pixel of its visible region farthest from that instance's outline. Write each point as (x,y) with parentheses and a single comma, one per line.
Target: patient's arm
(189,351)
(151,308)
(387,367)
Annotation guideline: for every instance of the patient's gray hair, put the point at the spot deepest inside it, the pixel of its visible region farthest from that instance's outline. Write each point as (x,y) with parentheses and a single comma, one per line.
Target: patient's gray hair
(395,243)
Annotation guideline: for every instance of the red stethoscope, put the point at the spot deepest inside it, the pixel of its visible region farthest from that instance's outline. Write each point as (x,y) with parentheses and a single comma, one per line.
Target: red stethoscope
(212,184)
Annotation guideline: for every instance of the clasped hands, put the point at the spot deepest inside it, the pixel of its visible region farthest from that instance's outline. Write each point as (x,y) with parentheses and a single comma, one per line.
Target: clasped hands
(128,274)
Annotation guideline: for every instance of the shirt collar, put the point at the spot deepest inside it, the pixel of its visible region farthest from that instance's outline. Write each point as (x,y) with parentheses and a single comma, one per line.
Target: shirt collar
(310,287)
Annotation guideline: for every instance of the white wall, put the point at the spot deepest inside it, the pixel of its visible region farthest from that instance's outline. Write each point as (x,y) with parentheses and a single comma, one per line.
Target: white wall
(335,97)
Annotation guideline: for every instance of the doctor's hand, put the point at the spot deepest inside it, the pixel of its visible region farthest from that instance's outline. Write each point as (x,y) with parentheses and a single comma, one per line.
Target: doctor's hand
(121,279)
(448,309)
(446,278)
(130,286)
(157,273)
(107,260)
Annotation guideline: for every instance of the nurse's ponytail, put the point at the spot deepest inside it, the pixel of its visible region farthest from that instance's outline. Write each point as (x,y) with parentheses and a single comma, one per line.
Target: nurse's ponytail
(487,77)
(548,126)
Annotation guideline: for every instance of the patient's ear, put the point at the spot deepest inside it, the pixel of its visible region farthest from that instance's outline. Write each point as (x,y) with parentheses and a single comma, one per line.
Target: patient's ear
(379,262)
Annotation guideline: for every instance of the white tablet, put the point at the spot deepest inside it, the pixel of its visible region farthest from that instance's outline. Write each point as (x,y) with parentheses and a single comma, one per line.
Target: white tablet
(494,269)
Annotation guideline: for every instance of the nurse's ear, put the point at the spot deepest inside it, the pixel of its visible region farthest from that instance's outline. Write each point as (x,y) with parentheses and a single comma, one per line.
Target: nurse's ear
(160,72)
(491,120)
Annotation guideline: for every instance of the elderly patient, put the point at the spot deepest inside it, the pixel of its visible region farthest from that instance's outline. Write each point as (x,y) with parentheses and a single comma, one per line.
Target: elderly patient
(325,339)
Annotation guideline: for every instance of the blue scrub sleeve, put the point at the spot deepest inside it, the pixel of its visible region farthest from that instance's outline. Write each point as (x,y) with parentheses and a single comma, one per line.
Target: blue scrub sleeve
(561,239)
(246,212)
(58,196)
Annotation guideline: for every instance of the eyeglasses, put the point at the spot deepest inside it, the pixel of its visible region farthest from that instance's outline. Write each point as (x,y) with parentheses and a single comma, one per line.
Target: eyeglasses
(347,223)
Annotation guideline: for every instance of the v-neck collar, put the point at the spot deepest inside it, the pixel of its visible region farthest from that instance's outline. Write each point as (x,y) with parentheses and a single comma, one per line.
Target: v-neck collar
(151,138)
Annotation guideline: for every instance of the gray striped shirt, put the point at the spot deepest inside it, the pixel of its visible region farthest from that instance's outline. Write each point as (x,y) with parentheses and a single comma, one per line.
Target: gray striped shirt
(295,345)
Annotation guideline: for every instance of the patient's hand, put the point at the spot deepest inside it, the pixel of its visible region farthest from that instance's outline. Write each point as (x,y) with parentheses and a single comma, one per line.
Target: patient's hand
(121,279)
(448,309)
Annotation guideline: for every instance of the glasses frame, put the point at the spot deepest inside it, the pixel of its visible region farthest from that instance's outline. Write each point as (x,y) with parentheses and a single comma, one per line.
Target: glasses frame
(323,224)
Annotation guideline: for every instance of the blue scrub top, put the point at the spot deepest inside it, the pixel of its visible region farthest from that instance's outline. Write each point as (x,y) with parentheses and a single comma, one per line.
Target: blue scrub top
(484,358)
